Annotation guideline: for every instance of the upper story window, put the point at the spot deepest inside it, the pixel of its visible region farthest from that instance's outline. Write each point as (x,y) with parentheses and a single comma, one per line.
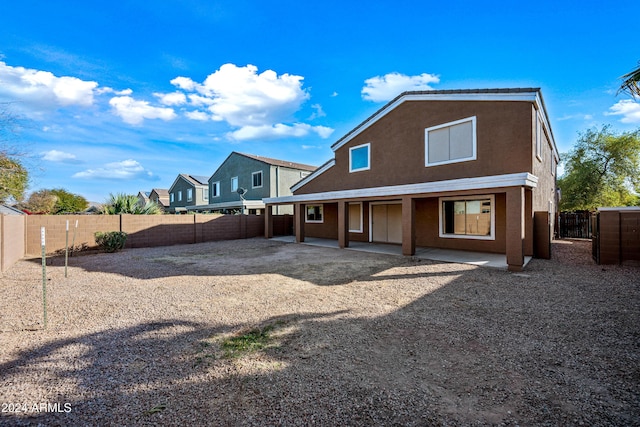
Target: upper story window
(451,142)
(215,189)
(205,194)
(360,158)
(180,195)
(256,179)
(538,137)
(189,194)
(234,183)
(172,197)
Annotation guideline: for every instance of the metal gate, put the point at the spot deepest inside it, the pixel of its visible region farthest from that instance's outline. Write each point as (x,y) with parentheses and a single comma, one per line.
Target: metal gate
(576,225)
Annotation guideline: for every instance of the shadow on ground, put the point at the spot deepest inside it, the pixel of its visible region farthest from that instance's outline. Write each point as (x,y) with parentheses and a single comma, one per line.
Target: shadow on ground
(487,348)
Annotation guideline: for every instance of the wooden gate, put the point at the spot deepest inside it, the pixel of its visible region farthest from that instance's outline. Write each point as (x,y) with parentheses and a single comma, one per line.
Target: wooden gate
(576,225)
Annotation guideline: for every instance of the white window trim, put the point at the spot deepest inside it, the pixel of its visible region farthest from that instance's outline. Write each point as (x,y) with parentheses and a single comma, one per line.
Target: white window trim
(173,198)
(474,142)
(237,183)
(216,185)
(361,218)
(189,194)
(205,193)
(313,221)
(368,145)
(492,236)
(179,195)
(261,179)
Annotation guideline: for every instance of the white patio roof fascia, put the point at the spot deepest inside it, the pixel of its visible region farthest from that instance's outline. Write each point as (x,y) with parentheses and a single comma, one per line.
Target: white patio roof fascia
(249,204)
(523,179)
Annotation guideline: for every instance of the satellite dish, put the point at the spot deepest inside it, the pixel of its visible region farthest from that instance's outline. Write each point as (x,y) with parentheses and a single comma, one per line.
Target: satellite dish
(241,191)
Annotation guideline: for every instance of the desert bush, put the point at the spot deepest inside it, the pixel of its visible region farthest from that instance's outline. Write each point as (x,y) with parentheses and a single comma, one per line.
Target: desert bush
(111,241)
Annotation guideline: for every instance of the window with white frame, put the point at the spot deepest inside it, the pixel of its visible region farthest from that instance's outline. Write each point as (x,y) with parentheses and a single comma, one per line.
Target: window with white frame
(189,194)
(205,194)
(234,183)
(180,195)
(468,217)
(355,217)
(172,197)
(451,142)
(256,179)
(314,213)
(360,158)
(215,189)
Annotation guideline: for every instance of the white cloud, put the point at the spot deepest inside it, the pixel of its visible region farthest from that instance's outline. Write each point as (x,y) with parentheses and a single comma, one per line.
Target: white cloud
(134,112)
(124,170)
(59,156)
(197,115)
(184,83)
(278,131)
(42,89)
(387,87)
(259,105)
(318,113)
(173,98)
(628,109)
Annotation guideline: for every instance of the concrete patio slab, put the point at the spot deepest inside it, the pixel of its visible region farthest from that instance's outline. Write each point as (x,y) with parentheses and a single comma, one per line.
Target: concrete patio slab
(481,259)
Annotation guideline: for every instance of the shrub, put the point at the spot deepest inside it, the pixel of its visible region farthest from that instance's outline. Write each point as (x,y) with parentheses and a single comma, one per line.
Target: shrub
(111,241)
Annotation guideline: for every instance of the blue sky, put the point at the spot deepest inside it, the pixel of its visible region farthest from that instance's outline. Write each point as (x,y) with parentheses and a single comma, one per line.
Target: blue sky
(122,96)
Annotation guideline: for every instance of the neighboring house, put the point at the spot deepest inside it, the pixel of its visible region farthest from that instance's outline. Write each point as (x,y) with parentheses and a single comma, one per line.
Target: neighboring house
(259,177)
(143,197)
(9,210)
(452,169)
(188,193)
(161,197)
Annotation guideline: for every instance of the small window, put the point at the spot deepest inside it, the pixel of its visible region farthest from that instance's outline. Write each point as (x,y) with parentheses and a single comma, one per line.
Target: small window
(451,142)
(256,179)
(189,194)
(205,194)
(215,189)
(469,218)
(234,183)
(180,195)
(355,217)
(360,158)
(314,213)
(172,196)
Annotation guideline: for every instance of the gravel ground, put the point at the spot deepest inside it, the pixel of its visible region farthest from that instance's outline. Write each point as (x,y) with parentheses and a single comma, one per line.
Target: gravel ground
(136,338)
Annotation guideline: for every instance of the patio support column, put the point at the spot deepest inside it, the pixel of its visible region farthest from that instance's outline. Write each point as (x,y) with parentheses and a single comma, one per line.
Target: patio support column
(343,224)
(268,221)
(528,222)
(408,226)
(515,228)
(298,218)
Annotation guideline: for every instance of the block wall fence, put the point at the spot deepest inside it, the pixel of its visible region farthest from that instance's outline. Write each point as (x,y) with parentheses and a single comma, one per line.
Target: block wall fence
(20,235)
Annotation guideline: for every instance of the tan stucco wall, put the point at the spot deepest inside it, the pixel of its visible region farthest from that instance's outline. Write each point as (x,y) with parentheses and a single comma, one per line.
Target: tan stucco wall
(12,232)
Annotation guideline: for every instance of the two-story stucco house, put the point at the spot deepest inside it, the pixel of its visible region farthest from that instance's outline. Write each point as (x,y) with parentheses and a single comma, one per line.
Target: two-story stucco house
(188,193)
(455,169)
(256,177)
(161,197)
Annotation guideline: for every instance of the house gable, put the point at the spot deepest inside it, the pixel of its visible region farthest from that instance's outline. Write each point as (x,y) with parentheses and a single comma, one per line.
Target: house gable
(397,136)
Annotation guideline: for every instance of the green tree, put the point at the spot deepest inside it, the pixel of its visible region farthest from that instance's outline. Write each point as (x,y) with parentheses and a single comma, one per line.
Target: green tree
(13,175)
(603,169)
(67,202)
(41,202)
(631,82)
(13,178)
(128,204)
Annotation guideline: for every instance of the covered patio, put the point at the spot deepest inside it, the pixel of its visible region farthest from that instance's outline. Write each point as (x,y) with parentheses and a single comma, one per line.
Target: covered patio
(481,259)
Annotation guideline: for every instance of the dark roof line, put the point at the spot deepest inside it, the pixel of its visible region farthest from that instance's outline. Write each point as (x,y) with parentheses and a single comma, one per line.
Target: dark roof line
(277,162)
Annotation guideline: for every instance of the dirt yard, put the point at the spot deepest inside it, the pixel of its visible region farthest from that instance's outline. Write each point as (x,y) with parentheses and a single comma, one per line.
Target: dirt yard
(141,337)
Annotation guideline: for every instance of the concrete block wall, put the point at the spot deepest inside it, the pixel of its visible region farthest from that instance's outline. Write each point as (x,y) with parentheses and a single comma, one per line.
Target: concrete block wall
(12,240)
